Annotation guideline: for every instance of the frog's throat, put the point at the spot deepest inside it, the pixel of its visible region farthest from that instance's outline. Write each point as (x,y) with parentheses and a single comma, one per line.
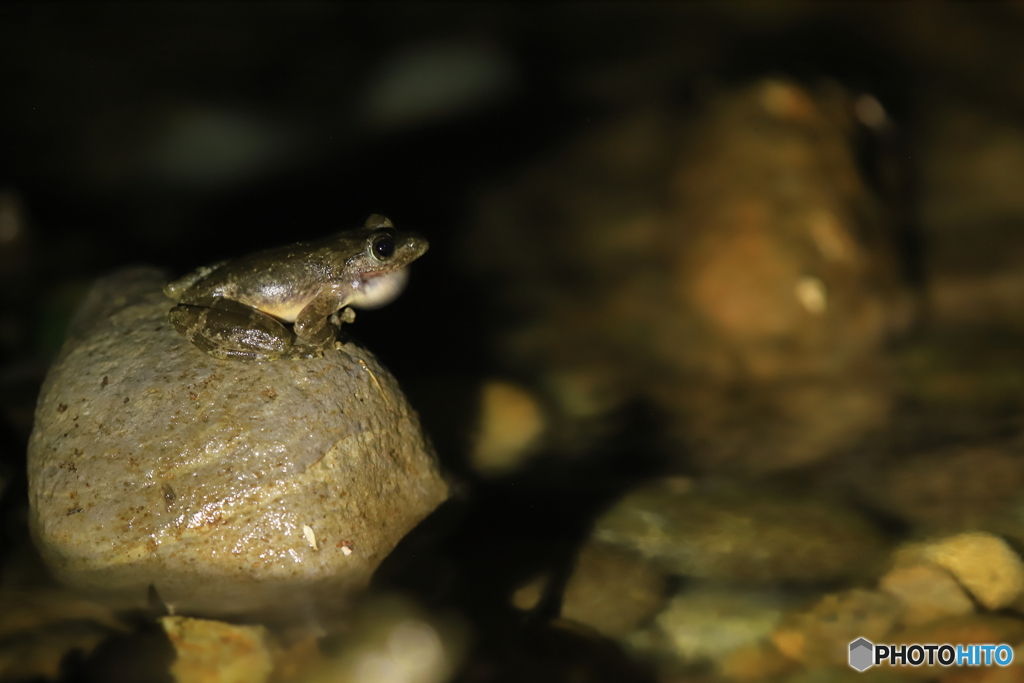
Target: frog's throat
(378,290)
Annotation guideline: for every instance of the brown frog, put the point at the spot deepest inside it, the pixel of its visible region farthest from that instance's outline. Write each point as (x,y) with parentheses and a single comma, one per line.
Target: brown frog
(238,308)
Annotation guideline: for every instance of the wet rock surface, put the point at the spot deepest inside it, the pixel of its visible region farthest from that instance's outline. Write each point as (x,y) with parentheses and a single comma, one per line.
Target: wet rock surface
(740,535)
(226,488)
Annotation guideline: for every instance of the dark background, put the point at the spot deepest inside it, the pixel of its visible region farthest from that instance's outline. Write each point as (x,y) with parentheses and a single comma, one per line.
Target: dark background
(177,134)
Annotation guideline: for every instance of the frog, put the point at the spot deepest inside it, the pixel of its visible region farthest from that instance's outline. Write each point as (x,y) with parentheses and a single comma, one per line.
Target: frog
(290,302)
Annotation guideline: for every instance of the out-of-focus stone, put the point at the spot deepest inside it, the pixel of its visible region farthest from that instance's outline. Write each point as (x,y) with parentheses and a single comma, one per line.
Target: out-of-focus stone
(846,674)
(926,591)
(40,626)
(741,535)
(982,563)
(511,424)
(612,591)
(968,629)
(216,652)
(528,595)
(757,662)
(986,674)
(229,488)
(969,202)
(733,269)
(950,489)
(822,635)
(708,623)
(780,424)
(393,639)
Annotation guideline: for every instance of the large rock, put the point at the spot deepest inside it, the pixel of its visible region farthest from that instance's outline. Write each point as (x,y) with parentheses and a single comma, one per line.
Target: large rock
(230,488)
(732,268)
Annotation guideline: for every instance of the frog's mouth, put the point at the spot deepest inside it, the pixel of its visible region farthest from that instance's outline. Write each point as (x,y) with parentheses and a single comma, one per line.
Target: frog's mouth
(379,290)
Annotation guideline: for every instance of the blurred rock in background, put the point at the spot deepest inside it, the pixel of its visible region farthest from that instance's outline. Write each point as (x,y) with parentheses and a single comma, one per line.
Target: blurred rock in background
(734,269)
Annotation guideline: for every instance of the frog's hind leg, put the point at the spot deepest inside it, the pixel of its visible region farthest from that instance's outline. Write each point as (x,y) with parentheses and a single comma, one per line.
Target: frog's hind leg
(204,344)
(227,329)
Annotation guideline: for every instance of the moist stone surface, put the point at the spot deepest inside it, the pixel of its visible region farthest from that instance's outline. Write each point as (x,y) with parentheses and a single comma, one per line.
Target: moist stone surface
(229,488)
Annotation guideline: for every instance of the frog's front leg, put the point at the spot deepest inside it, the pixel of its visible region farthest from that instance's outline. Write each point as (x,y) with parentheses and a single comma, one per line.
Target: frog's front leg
(318,323)
(228,329)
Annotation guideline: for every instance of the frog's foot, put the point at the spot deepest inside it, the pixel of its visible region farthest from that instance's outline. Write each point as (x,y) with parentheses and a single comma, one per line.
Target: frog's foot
(321,333)
(226,329)
(303,352)
(345,315)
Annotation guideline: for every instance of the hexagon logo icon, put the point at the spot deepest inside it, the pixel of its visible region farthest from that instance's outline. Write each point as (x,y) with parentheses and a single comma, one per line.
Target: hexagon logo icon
(861,654)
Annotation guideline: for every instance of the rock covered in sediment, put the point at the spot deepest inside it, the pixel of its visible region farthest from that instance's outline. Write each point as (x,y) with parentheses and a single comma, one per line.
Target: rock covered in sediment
(228,488)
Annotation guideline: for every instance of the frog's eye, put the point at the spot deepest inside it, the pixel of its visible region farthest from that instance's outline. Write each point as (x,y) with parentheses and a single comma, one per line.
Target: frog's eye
(383,246)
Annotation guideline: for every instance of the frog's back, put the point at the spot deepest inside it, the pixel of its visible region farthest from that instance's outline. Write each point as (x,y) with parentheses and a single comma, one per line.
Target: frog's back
(279,281)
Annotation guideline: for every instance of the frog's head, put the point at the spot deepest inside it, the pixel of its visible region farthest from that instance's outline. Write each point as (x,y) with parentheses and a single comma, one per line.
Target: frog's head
(379,270)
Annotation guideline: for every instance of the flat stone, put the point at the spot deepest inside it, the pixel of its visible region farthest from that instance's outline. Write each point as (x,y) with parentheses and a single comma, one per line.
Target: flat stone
(982,563)
(708,623)
(741,535)
(926,591)
(228,488)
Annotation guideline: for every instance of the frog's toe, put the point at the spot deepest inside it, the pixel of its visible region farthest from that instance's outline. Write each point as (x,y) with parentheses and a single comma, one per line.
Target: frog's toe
(321,337)
(305,351)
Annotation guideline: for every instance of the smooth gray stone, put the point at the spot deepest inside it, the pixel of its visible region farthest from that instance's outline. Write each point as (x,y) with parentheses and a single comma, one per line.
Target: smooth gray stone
(152,464)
